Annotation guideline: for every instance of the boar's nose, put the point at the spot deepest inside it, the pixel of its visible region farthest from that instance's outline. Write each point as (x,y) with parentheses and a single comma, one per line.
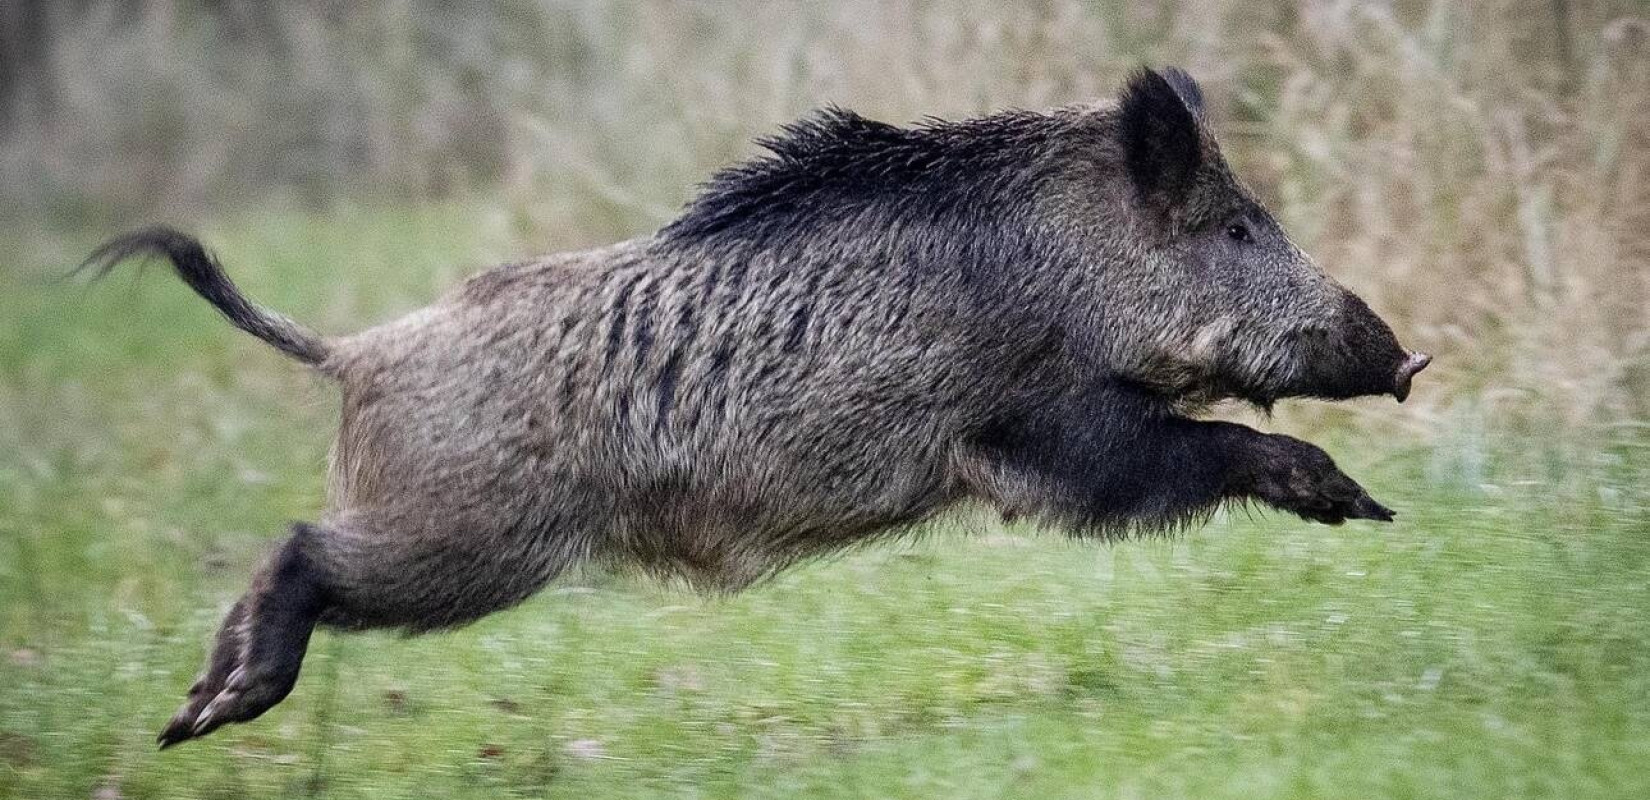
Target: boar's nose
(1406,371)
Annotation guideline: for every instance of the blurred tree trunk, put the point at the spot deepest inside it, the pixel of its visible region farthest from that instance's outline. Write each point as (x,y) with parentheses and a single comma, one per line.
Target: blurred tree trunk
(26,88)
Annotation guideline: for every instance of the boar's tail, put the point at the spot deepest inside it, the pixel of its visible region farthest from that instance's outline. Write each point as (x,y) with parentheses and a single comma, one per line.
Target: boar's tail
(203,274)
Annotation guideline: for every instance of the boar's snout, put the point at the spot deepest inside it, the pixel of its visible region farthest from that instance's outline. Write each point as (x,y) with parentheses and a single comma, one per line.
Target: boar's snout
(1357,356)
(1412,364)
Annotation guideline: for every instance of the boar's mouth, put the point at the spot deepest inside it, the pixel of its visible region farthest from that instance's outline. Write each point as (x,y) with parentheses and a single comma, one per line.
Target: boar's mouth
(1359,356)
(1331,378)
(1325,371)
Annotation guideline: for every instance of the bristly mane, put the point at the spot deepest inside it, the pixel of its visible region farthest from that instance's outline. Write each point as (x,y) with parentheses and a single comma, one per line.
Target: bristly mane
(836,166)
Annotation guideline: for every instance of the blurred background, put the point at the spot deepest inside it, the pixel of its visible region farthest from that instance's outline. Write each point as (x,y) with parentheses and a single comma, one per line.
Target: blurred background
(1479,171)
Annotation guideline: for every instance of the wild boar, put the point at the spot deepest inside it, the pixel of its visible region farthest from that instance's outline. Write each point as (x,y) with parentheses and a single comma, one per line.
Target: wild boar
(833,343)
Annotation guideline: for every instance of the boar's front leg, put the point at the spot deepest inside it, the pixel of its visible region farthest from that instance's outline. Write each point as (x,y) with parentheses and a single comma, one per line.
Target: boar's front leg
(1118,458)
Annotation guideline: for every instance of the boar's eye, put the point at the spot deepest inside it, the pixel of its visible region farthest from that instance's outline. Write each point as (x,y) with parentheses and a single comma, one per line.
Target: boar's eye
(1238,232)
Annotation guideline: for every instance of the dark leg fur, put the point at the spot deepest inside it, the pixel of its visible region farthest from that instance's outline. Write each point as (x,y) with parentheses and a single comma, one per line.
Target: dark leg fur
(1297,477)
(260,646)
(1117,458)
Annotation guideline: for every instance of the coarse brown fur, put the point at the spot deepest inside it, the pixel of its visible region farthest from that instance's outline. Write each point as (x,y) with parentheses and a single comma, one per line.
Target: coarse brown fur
(833,343)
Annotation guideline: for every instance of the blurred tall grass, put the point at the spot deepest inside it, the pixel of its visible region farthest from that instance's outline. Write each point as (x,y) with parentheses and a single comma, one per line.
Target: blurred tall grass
(1480,171)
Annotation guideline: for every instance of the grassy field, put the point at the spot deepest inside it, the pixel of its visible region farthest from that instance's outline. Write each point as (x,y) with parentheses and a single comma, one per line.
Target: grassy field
(1494,643)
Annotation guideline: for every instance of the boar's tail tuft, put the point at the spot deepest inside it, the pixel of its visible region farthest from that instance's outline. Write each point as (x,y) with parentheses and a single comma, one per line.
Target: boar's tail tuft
(202,272)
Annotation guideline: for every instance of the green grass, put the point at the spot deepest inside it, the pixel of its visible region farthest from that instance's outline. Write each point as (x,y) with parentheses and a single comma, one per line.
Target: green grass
(1493,643)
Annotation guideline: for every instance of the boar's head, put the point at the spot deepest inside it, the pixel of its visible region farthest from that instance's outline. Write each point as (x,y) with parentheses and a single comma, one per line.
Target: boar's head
(1195,290)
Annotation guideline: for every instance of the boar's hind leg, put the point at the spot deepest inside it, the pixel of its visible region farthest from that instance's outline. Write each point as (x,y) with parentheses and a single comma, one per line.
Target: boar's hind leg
(259,647)
(409,569)
(355,571)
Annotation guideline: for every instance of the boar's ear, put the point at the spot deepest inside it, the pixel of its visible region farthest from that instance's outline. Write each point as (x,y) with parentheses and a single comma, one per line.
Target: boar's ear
(1190,93)
(1162,145)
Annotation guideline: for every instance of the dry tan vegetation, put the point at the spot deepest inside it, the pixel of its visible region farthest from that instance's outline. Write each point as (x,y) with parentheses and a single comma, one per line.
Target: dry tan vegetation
(1480,171)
